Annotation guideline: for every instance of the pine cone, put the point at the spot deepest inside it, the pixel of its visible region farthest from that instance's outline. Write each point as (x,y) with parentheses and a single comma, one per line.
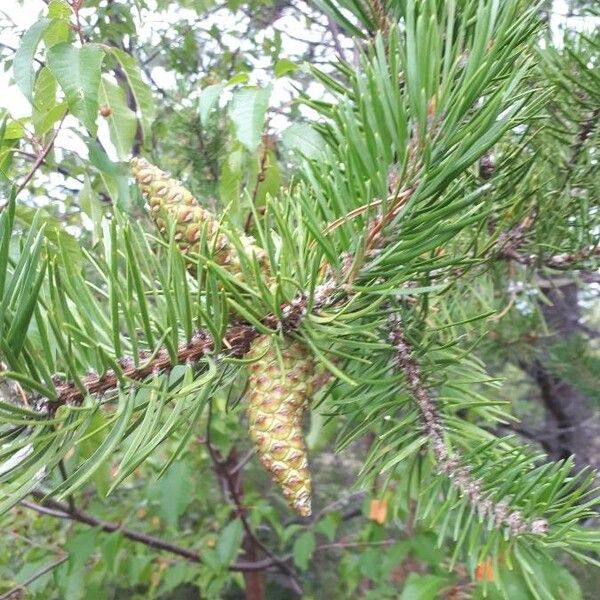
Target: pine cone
(168,198)
(279,388)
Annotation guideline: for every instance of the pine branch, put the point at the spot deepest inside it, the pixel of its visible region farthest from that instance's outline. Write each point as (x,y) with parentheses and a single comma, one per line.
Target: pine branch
(585,131)
(236,342)
(447,462)
(564,260)
(509,243)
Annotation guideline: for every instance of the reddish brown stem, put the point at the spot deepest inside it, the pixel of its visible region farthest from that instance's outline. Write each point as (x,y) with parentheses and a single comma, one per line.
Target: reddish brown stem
(236,343)
(223,470)
(62,510)
(260,177)
(41,157)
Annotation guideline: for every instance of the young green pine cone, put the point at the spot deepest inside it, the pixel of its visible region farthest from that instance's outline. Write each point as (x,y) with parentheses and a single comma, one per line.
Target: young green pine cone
(279,388)
(167,197)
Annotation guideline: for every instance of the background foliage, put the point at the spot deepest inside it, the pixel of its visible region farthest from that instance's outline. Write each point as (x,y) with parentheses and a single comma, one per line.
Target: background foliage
(469,116)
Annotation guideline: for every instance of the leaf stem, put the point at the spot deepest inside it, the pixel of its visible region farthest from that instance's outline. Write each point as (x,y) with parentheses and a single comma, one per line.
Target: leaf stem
(41,156)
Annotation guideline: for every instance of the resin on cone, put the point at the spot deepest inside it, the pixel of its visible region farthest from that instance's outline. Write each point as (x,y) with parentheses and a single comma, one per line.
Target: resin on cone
(279,388)
(167,197)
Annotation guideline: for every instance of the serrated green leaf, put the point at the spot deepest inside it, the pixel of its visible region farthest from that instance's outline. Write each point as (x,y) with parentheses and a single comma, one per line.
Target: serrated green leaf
(422,587)
(284,66)
(304,139)
(70,577)
(247,110)
(89,445)
(59,9)
(229,542)
(44,122)
(122,122)
(58,32)
(77,71)
(142,93)
(238,78)
(44,90)
(328,525)
(303,549)
(23,62)
(208,99)
(175,492)
(46,110)
(15,129)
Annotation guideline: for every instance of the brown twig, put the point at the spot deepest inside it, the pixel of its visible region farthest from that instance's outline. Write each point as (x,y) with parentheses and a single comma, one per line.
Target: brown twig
(63,171)
(586,129)
(509,243)
(344,545)
(75,7)
(556,261)
(260,177)
(61,510)
(374,238)
(222,470)
(242,462)
(236,343)
(378,225)
(12,49)
(41,156)
(335,35)
(40,573)
(254,585)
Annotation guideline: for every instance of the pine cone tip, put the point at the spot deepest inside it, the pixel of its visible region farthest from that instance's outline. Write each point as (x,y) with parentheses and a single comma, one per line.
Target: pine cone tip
(302,505)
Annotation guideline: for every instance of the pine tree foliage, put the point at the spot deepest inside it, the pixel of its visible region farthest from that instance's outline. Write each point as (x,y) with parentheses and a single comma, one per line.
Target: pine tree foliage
(380,258)
(566,177)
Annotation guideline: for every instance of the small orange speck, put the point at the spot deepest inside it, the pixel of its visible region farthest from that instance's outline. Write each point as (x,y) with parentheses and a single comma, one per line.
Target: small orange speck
(484,571)
(378,511)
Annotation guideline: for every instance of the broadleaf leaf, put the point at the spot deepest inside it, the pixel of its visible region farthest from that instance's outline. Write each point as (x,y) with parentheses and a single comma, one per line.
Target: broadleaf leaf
(77,71)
